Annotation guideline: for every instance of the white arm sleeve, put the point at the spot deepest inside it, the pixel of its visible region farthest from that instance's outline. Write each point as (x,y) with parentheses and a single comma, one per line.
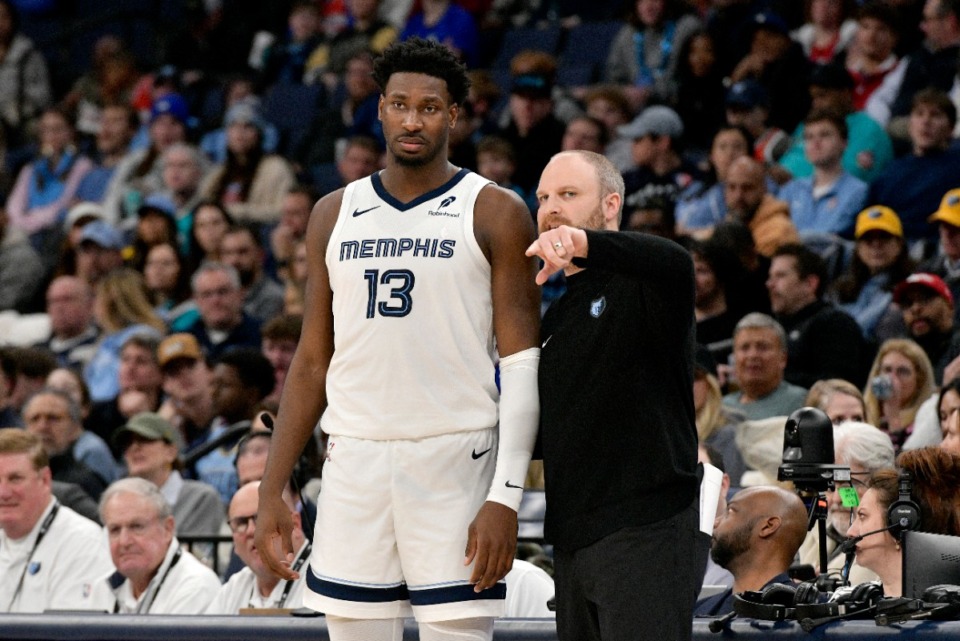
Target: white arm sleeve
(519,421)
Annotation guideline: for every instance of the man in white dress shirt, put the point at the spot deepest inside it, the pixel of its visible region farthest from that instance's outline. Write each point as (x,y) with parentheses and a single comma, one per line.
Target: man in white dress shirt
(255,586)
(154,576)
(50,556)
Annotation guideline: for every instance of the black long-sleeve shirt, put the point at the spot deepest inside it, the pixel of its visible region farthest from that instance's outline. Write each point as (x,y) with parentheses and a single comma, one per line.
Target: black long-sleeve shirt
(616,402)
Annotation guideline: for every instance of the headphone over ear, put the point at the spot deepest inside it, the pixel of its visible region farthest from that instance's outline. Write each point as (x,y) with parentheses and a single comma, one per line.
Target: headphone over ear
(904,513)
(773,603)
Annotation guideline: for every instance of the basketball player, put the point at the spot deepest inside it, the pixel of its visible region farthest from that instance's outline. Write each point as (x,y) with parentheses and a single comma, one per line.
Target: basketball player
(413,272)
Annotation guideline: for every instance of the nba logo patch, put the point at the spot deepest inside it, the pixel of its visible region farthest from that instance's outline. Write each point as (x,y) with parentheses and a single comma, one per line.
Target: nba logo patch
(597,306)
(87,588)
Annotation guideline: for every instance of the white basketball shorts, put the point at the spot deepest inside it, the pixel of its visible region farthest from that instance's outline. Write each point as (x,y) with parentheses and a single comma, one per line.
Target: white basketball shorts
(392,521)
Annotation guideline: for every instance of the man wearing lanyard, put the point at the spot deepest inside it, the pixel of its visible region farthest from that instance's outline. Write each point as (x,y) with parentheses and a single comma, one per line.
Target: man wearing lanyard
(154,576)
(255,586)
(49,554)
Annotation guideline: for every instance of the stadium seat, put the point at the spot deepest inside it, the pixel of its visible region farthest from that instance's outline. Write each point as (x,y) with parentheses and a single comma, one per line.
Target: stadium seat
(516,40)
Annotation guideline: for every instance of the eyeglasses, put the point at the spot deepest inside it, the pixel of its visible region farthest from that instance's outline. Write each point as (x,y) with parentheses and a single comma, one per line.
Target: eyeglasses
(238,524)
(855,482)
(211,293)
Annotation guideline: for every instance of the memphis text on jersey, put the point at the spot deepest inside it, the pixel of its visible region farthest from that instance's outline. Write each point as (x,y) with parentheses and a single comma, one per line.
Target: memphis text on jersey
(397,247)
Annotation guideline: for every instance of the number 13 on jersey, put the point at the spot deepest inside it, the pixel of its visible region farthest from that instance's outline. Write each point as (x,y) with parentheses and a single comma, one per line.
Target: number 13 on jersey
(399,302)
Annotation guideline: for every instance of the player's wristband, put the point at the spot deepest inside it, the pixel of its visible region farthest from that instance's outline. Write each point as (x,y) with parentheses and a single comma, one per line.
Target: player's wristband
(519,421)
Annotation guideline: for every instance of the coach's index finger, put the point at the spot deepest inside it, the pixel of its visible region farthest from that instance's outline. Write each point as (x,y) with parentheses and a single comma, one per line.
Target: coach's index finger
(275,526)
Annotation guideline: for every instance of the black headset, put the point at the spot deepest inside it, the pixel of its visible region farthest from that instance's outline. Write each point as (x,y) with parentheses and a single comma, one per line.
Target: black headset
(773,603)
(904,513)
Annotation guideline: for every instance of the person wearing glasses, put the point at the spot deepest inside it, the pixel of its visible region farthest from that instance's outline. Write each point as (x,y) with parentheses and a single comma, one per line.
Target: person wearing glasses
(255,586)
(223,323)
(154,575)
(865,449)
(150,448)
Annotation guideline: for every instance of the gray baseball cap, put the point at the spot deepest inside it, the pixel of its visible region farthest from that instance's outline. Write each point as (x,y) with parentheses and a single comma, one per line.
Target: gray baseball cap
(654,121)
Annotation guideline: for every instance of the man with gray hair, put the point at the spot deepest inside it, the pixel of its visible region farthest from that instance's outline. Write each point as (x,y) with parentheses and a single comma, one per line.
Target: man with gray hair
(154,576)
(865,449)
(184,167)
(223,323)
(75,455)
(760,358)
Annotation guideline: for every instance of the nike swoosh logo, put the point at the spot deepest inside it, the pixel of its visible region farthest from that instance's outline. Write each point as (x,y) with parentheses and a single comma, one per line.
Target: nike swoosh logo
(546,341)
(358,212)
(508,484)
(475,455)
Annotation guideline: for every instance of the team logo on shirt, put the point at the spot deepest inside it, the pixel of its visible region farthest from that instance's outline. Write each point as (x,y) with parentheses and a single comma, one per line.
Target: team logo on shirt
(33,568)
(598,306)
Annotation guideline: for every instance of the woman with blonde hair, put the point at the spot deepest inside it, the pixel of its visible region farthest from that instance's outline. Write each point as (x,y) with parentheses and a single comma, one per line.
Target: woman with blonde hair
(839,399)
(900,380)
(122,308)
(716,423)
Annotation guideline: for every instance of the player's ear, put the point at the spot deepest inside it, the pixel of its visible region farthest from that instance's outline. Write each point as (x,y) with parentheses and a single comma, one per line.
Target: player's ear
(454,114)
(380,108)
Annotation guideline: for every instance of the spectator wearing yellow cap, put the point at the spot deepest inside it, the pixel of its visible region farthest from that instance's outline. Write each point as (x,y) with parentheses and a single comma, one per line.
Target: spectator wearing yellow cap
(946,263)
(880,261)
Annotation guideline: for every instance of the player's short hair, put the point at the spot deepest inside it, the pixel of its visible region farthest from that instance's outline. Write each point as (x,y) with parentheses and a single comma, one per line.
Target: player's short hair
(416,55)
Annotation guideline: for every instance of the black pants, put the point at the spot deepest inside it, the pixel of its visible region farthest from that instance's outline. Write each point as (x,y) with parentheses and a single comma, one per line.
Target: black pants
(635,584)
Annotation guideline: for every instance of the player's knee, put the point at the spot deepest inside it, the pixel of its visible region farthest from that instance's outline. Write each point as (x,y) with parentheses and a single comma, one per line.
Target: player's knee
(344,629)
(476,629)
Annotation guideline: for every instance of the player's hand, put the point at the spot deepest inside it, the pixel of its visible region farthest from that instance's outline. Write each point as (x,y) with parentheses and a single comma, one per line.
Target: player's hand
(557,248)
(272,537)
(491,544)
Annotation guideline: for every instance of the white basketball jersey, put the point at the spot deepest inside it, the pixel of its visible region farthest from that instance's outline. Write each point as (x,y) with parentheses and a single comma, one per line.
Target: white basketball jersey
(413,317)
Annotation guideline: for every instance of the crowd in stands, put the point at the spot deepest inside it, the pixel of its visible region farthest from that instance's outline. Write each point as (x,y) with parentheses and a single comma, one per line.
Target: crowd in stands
(154,207)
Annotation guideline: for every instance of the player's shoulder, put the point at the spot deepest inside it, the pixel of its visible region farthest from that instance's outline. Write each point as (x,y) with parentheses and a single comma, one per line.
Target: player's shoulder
(495,198)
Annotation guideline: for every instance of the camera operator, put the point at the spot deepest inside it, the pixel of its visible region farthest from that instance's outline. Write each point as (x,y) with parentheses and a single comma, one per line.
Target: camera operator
(864,449)
(935,489)
(756,539)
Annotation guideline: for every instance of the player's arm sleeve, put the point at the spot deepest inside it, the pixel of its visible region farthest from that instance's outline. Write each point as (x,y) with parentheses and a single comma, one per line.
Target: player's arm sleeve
(519,421)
